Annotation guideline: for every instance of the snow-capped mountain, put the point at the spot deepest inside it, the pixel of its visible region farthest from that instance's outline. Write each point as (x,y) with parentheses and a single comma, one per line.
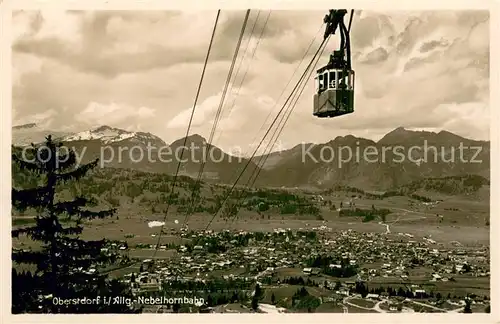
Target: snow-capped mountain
(109,135)
(118,148)
(112,146)
(26,134)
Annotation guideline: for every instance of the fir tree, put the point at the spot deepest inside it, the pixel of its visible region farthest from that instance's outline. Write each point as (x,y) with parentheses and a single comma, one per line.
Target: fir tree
(258,291)
(467,308)
(255,303)
(66,266)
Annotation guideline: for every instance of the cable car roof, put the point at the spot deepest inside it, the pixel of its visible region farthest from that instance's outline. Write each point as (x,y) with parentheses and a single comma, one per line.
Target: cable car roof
(330,68)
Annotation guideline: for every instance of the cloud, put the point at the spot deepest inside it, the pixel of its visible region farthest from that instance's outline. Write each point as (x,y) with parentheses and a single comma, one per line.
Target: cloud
(43,119)
(376,56)
(113,43)
(113,114)
(275,23)
(57,24)
(243,109)
(24,64)
(26,23)
(463,113)
(413,69)
(430,45)
(203,113)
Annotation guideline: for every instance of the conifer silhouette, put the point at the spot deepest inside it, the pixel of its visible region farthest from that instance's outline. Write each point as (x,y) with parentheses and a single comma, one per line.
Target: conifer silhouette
(67,267)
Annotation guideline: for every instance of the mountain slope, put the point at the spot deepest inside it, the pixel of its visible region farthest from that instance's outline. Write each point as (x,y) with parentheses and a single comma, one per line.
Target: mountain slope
(142,151)
(399,158)
(275,159)
(218,164)
(108,135)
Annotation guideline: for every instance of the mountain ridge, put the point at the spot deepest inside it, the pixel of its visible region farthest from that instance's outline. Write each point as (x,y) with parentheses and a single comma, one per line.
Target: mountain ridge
(393,137)
(108,135)
(299,166)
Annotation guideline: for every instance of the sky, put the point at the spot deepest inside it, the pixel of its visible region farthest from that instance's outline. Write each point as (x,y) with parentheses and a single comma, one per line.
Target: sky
(139,71)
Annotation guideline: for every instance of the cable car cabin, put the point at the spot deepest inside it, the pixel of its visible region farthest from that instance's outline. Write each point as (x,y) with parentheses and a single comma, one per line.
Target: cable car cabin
(334,92)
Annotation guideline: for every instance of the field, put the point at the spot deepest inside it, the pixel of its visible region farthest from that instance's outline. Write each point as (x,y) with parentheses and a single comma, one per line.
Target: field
(288,290)
(352,309)
(231,308)
(329,307)
(118,229)
(456,226)
(142,197)
(362,302)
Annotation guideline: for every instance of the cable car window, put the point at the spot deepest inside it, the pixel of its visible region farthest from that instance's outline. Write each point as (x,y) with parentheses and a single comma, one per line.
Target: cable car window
(342,77)
(347,80)
(333,80)
(351,79)
(326,79)
(321,83)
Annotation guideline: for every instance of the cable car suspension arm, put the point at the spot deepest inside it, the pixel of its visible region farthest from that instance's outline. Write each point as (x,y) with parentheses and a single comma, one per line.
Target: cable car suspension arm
(333,20)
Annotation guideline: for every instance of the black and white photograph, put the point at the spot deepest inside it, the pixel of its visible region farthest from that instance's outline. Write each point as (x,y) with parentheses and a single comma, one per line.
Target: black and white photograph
(250,161)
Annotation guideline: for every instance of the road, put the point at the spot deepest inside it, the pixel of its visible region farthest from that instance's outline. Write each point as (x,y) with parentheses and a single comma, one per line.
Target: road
(387,230)
(456,310)
(267,308)
(121,268)
(427,305)
(258,275)
(404,213)
(377,308)
(344,307)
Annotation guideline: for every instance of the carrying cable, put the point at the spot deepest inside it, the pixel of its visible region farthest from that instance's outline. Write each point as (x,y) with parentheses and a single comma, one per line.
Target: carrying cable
(267,132)
(248,66)
(217,116)
(297,98)
(187,131)
(292,107)
(297,95)
(284,89)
